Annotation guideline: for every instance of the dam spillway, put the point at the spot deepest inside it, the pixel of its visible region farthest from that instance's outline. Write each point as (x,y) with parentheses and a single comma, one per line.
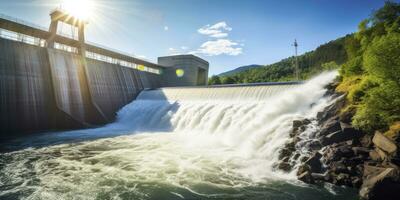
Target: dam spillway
(211,147)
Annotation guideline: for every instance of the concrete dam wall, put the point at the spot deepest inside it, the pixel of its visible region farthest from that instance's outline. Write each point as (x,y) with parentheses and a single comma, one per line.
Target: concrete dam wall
(46,89)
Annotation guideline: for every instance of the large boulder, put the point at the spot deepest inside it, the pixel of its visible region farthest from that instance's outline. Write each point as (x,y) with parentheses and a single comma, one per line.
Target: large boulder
(315,163)
(330,126)
(380,183)
(384,143)
(306,177)
(332,110)
(341,136)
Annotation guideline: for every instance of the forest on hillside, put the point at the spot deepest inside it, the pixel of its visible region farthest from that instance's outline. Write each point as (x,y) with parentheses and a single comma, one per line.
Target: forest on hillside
(371,75)
(326,56)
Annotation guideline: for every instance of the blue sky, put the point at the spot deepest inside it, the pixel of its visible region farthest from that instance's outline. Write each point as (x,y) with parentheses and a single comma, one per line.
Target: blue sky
(227,33)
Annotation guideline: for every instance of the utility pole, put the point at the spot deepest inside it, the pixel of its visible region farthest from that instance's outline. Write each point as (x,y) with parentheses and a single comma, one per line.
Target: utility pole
(296,68)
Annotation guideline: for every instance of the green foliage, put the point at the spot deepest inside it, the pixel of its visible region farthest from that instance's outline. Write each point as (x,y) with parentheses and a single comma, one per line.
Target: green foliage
(310,63)
(371,76)
(228,80)
(380,108)
(387,14)
(214,80)
(330,66)
(352,67)
(382,58)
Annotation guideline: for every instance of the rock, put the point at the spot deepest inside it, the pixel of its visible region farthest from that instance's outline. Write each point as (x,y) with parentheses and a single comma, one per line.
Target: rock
(285,152)
(297,124)
(330,126)
(349,129)
(296,156)
(331,110)
(356,182)
(314,162)
(284,166)
(340,136)
(342,179)
(361,150)
(382,154)
(319,176)
(285,159)
(303,168)
(366,141)
(380,183)
(384,143)
(306,177)
(338,167)
(374,155)
(304,158)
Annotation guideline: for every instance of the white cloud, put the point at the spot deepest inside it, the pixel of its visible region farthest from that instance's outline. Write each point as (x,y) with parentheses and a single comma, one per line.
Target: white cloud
(218,30)
(219,47)
(166,28)
(184,47)
(173,51)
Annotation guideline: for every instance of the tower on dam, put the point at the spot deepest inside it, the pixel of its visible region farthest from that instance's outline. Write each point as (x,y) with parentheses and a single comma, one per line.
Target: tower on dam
(184,70)
(52,81)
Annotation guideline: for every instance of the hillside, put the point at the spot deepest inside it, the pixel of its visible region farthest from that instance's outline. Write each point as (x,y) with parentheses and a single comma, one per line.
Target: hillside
(239,69)
(326,56)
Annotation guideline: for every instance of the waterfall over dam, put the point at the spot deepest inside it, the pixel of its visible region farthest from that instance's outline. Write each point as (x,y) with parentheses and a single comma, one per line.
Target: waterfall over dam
(167,144)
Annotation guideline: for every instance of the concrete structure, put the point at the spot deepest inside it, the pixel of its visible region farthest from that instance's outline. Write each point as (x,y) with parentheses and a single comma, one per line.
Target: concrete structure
(51,82)
(194,70)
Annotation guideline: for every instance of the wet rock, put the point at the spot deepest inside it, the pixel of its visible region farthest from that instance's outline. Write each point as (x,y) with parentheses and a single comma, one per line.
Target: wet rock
(342,179)
(356,182)
(303,168)
(321,176)
(340,136)
(338,167)
(331,110)
(285,152)
(384,143)
(361,150)
(296,156)
(380,183)
(314,162)
(284,166)
(297,124)
(330,126)
(304,158)
(306,177)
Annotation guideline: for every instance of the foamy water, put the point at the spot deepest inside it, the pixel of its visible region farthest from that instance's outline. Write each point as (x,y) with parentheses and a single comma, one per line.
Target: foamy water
(188,143)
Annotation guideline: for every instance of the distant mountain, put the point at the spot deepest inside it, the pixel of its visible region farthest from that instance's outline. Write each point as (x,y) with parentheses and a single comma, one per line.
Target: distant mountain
(240,69)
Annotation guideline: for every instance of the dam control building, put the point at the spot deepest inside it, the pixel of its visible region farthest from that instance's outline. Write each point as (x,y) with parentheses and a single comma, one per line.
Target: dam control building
(53,81)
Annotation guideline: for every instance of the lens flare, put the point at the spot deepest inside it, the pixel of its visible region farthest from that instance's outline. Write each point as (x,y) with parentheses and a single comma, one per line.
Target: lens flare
(180,72)
(82,9)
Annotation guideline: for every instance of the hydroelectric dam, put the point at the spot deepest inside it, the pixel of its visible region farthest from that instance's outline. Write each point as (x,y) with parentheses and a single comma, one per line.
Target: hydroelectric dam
(53,81)
(111,126)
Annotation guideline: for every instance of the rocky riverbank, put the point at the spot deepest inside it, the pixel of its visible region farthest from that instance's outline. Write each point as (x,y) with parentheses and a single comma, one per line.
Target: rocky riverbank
(329,149)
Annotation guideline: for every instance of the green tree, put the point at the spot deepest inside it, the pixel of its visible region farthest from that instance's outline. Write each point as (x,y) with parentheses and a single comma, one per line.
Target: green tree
(382,59)
(214,80)
(228,80)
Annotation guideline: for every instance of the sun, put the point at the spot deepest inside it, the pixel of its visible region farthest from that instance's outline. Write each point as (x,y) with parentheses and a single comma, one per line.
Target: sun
(82,9)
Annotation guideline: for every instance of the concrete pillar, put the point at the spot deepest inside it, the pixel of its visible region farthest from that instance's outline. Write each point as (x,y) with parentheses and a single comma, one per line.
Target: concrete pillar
(53,33)
(81,39)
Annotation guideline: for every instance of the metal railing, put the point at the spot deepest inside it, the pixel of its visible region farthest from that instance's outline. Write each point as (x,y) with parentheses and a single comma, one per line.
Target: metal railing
(11,35)
(23,22)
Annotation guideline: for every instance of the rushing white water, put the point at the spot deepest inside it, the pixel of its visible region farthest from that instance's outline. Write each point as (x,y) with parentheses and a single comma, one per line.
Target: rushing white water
(185,143)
